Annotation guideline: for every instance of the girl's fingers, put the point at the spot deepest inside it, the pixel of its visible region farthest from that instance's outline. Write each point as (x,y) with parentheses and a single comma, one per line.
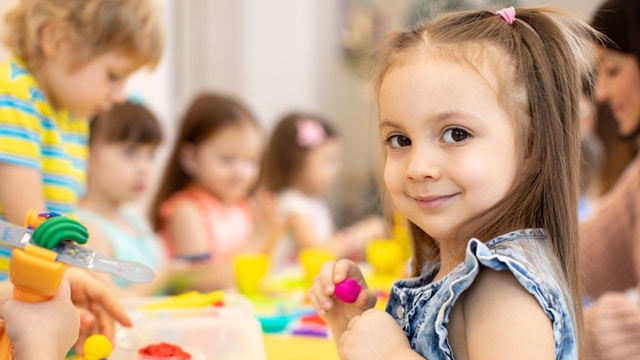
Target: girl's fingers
(321,303)
(325,278)
(346,268)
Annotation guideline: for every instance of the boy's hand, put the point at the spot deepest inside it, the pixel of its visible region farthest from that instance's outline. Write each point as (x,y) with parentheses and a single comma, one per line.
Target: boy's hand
(335,312)
(99,306)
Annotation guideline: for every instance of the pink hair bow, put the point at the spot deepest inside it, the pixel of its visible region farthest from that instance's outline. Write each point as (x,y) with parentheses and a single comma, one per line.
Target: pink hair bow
(310,133)
(508,14)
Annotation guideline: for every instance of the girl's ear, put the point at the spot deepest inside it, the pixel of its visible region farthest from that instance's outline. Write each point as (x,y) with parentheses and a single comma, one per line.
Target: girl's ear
(53,37)
(187,158)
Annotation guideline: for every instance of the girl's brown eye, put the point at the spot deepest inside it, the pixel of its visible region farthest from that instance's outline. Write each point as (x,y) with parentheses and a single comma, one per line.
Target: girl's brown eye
(455,135)
(397,141)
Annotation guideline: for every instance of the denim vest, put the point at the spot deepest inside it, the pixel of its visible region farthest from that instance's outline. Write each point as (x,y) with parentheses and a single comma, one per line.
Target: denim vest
(422,308)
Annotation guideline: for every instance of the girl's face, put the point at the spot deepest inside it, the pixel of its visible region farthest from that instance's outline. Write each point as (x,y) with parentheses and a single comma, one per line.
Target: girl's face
(321,168)
(451,148)
(120,171)
(227,163)
(89,89)
(619,85)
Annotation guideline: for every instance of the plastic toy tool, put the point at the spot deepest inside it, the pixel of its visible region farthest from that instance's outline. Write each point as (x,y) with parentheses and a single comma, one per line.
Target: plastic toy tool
(41,251)
(60,236)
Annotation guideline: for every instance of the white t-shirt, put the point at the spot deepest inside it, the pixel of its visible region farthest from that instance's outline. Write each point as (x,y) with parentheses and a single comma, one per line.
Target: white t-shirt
(316,210)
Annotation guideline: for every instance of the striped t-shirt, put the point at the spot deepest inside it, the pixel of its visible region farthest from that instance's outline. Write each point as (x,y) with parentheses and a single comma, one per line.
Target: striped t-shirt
(34,135)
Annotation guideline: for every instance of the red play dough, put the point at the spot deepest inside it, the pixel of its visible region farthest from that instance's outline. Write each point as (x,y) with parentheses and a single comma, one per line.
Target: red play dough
(347,290)
(164,349)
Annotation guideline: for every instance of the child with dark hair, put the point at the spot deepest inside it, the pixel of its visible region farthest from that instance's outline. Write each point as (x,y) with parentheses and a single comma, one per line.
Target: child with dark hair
(122,145)
(206,208)
(301,164)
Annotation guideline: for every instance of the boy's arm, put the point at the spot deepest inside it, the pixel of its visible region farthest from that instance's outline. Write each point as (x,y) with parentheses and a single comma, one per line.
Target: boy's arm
(21,189)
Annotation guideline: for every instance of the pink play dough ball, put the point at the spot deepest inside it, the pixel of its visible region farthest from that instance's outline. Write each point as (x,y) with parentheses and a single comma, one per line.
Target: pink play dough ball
(347,290)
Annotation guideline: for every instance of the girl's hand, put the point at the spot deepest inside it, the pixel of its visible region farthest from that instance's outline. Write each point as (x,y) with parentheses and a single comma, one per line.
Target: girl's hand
(264,206)
(336,313)
(269,226)
(374,335)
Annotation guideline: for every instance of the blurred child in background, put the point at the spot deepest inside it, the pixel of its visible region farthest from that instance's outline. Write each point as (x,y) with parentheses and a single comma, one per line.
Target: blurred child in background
(203,207)
(71,60)
(301,164)
(122,146)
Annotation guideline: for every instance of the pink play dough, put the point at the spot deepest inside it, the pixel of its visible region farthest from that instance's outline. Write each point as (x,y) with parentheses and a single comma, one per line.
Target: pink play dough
(347,290)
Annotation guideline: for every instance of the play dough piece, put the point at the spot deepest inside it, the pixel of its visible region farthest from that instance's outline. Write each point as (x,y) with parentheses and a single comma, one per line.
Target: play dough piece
(164,350)
(347,290)
(97,347)
(57,229)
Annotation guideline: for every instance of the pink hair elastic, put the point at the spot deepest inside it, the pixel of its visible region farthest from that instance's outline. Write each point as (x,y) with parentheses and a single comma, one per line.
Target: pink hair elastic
(310,133)
(508,14)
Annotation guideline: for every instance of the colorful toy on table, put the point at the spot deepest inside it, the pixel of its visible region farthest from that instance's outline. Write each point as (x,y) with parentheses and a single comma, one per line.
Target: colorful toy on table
(276,315)
(189,300)
(40,253)
(310,325)
(215,325)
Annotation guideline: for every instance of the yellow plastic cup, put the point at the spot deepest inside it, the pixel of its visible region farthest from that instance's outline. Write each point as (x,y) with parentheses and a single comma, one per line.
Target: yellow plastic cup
(385,256)
(249,271)
(311,261)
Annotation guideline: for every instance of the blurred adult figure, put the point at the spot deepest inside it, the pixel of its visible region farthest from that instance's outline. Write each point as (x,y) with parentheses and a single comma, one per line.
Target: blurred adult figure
(610,238)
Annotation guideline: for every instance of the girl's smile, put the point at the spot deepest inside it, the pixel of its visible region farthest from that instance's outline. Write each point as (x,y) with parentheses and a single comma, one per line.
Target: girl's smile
(433,201)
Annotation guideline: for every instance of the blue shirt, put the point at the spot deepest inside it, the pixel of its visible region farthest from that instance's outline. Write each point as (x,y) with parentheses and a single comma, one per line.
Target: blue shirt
(422,307)
(140,245)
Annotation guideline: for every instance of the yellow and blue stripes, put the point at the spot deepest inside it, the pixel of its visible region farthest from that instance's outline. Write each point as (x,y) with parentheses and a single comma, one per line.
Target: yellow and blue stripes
(34,135)
(5,257)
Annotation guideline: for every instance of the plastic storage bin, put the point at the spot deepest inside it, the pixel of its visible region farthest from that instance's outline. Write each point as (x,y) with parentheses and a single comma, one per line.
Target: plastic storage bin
(229,332)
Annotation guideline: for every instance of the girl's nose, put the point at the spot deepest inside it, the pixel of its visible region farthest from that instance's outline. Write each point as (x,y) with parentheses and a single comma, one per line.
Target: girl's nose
(600,93)
(423,165)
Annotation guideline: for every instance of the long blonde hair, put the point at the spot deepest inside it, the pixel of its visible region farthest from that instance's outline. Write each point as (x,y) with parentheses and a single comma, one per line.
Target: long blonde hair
(541,62)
